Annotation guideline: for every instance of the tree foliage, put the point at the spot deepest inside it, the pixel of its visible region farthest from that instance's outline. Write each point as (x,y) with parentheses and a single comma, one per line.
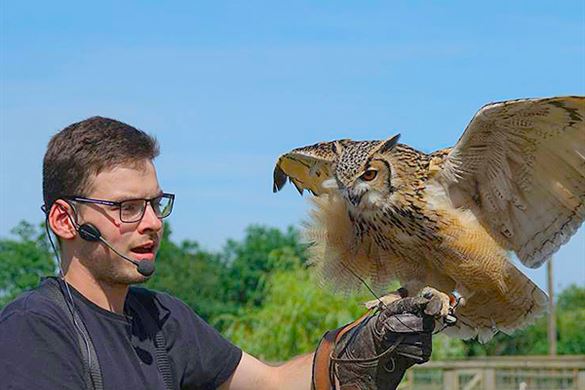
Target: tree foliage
(192,275)
(293,318)
(23,261)
(250,261)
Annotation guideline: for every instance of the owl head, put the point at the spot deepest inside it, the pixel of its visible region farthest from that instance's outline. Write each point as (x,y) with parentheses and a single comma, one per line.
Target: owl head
(361,171)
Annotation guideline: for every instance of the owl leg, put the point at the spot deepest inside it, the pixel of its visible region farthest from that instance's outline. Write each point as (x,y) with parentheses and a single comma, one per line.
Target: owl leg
(464,294)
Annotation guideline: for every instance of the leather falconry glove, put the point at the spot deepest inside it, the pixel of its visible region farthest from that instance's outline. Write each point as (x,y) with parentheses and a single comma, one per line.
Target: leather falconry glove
(374,352)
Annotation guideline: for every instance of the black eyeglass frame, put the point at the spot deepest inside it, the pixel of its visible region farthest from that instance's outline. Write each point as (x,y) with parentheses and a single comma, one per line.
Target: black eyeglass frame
(82,199)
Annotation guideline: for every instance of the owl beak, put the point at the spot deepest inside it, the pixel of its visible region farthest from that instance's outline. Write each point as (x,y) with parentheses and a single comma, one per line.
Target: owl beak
(355,198)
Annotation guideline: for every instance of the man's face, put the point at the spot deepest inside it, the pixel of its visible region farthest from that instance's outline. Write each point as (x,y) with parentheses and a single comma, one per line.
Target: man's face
(138,240)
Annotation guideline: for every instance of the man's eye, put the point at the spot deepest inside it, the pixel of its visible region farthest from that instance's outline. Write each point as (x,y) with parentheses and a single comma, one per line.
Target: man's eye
(130,207)
(369,175)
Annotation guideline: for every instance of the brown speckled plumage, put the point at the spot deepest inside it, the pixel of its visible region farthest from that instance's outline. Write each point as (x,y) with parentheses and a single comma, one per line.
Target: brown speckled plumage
(515,181)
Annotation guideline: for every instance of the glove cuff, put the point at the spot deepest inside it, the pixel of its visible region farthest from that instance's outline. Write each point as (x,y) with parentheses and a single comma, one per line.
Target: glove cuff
(322,371)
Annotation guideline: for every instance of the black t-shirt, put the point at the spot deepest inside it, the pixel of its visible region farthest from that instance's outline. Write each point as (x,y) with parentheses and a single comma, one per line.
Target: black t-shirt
(39,347)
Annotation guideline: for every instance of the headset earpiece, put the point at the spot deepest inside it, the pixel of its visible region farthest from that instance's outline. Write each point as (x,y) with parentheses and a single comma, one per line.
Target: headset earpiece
(89,232)
(86,231)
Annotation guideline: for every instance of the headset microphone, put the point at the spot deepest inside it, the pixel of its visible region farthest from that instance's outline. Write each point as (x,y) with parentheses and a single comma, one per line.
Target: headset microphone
(89,232)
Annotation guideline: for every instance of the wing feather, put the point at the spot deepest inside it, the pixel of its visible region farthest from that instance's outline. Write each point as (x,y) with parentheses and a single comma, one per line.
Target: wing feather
(520,167)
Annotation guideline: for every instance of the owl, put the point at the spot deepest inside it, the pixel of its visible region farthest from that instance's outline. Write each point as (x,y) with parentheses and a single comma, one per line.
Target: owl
(514,183)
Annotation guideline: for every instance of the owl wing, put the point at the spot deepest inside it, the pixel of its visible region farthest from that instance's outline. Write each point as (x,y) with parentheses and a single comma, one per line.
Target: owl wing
(306,167)
(520,167)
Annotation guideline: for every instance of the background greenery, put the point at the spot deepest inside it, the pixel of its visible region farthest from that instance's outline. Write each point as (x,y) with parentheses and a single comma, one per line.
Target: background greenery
(260,293)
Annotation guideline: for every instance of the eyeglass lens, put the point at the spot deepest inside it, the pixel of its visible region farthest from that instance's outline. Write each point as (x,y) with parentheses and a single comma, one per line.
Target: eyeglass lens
(133,210)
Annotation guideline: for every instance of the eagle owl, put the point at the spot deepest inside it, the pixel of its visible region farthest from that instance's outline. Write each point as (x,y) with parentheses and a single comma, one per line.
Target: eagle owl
(514,182)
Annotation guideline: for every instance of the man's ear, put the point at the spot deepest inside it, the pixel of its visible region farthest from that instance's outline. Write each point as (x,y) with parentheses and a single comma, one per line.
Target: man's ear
(60,220)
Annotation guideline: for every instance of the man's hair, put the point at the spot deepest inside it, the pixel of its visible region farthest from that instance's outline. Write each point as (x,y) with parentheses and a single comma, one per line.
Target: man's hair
(84,149)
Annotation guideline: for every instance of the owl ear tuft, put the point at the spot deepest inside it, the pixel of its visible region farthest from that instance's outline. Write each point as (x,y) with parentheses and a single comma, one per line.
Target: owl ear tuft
(387,145)
(337,148)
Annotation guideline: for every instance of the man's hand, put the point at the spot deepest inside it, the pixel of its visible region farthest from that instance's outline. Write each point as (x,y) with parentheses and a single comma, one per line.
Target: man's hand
(375,351)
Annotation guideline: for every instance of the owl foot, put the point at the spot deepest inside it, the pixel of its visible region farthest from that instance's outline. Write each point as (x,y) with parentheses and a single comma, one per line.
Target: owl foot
(440,304)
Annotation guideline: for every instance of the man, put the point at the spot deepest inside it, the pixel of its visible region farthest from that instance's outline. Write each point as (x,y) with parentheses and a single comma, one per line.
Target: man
(104,204)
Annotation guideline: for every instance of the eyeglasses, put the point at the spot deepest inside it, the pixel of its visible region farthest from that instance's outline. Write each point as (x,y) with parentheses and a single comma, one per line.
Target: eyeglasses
(133,210)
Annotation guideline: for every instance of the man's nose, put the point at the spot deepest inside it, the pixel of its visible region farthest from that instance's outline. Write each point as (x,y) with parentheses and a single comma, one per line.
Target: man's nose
(150,221)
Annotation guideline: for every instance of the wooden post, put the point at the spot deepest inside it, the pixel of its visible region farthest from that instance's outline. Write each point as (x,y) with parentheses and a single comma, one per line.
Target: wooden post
(552,318)
(489,376)
(581,380)
(450,379)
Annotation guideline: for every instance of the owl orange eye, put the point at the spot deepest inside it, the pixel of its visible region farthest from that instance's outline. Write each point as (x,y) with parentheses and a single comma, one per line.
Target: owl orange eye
(369,175)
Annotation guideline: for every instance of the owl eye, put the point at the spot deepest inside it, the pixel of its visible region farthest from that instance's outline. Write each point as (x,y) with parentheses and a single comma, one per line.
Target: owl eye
(369,175)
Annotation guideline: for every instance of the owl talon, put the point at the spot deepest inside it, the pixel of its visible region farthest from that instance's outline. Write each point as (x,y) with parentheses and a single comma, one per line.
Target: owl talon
(450,320)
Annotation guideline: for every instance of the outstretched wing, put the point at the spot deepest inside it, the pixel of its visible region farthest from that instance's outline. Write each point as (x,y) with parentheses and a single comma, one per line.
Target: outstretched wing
(520,167)
(306,167)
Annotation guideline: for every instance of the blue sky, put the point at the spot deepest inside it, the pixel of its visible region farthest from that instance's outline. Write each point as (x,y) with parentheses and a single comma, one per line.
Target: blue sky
(228,86)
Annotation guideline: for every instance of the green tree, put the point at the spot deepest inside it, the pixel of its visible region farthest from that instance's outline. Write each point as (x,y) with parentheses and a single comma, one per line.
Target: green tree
(191,274)
(571,320)
(23,261)
(445,348)
(262,251)
(293,318)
